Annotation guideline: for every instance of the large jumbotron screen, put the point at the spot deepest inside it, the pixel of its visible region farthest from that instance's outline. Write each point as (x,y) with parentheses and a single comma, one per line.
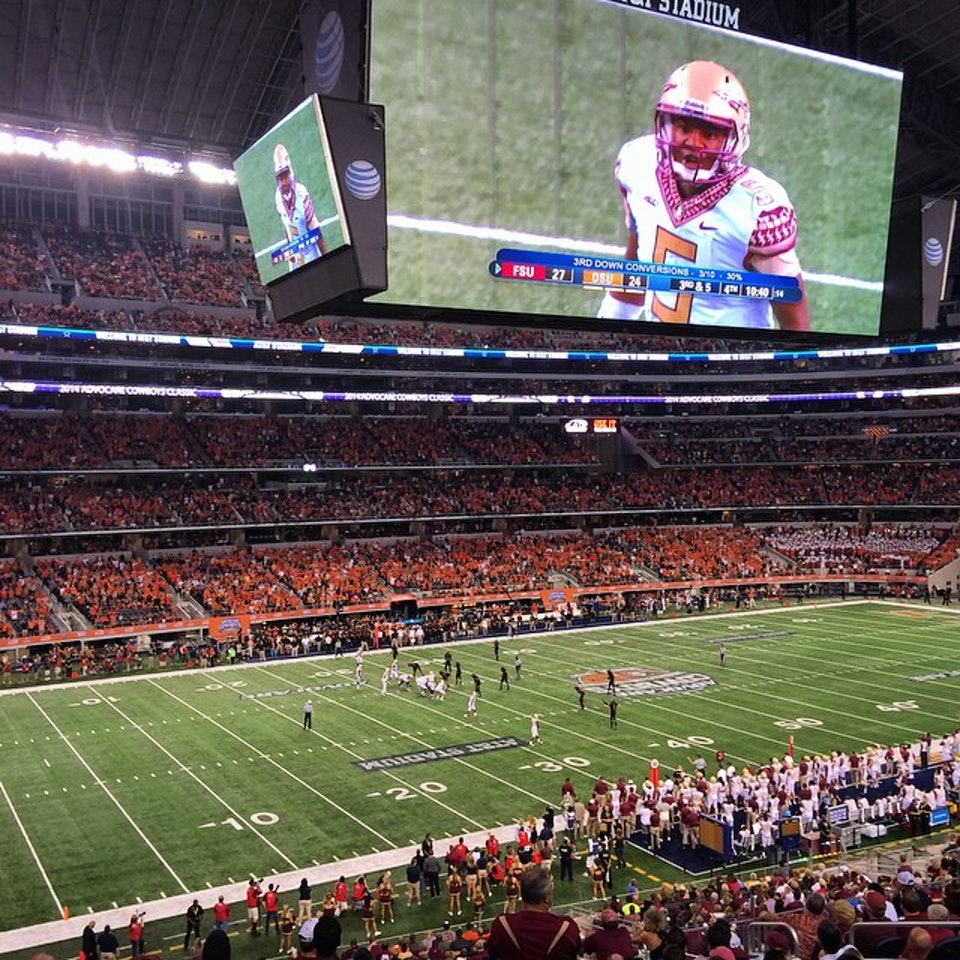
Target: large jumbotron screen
(505,119)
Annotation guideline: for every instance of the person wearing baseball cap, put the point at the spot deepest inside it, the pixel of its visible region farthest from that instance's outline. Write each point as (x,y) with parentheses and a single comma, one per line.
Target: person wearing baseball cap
(609,938)
(873,907)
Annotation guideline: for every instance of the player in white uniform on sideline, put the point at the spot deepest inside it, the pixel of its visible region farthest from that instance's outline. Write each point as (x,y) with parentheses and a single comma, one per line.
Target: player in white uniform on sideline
(689,200)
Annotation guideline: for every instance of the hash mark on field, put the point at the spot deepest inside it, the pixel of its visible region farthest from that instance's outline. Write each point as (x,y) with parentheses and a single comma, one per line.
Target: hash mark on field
(377,794)
(116,906)
(46,762)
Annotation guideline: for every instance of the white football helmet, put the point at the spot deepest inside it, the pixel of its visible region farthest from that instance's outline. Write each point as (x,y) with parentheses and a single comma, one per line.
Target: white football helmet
(281,160)
(708,92)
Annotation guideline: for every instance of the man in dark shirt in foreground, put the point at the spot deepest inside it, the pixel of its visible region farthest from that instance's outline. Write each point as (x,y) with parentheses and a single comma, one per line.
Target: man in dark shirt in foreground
(535,933)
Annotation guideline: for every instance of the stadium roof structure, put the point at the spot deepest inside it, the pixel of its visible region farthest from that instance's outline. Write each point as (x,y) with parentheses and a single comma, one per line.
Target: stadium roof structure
(216,75)
(208,73)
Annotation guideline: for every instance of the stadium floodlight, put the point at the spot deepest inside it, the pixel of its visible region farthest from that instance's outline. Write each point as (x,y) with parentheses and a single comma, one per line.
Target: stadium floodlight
(159,166)
(114,159)
(208,173)
(30,146)
(111,156)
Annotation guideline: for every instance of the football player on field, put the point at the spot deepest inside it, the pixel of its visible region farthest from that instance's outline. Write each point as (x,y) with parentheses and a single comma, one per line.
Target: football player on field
(689,199)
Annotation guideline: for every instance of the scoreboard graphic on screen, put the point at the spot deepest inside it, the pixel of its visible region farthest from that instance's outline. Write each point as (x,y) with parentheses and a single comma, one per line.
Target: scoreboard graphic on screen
(634,276)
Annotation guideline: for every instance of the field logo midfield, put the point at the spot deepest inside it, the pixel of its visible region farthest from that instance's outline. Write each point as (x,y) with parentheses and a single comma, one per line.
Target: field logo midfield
(645,681)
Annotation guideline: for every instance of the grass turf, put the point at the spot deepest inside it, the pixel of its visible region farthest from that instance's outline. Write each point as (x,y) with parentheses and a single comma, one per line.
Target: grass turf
(161,784)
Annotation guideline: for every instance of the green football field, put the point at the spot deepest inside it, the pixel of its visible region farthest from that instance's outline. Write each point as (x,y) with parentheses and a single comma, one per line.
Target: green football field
(504,119)
(148,788)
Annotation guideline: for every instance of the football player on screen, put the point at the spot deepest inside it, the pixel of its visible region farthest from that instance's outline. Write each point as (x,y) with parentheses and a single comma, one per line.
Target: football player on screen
(295,208)
(689,199)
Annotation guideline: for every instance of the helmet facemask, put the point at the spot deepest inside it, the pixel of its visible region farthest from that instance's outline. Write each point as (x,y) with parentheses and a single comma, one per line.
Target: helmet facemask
(711,164)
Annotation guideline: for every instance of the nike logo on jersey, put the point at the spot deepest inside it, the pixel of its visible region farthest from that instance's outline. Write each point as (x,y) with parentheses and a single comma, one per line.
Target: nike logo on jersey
(653,201)
(707,226)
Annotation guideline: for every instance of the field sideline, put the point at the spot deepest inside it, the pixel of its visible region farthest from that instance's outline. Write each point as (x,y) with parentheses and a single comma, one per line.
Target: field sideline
(142,790)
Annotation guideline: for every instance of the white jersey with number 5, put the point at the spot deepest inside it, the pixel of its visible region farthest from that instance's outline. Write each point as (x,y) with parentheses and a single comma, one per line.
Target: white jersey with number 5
(747,214)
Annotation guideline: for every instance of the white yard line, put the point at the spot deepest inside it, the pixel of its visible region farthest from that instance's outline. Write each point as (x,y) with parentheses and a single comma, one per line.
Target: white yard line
(100,783)
(200,782)
(279,766)
(358,756)
(32,849)
(445,719)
